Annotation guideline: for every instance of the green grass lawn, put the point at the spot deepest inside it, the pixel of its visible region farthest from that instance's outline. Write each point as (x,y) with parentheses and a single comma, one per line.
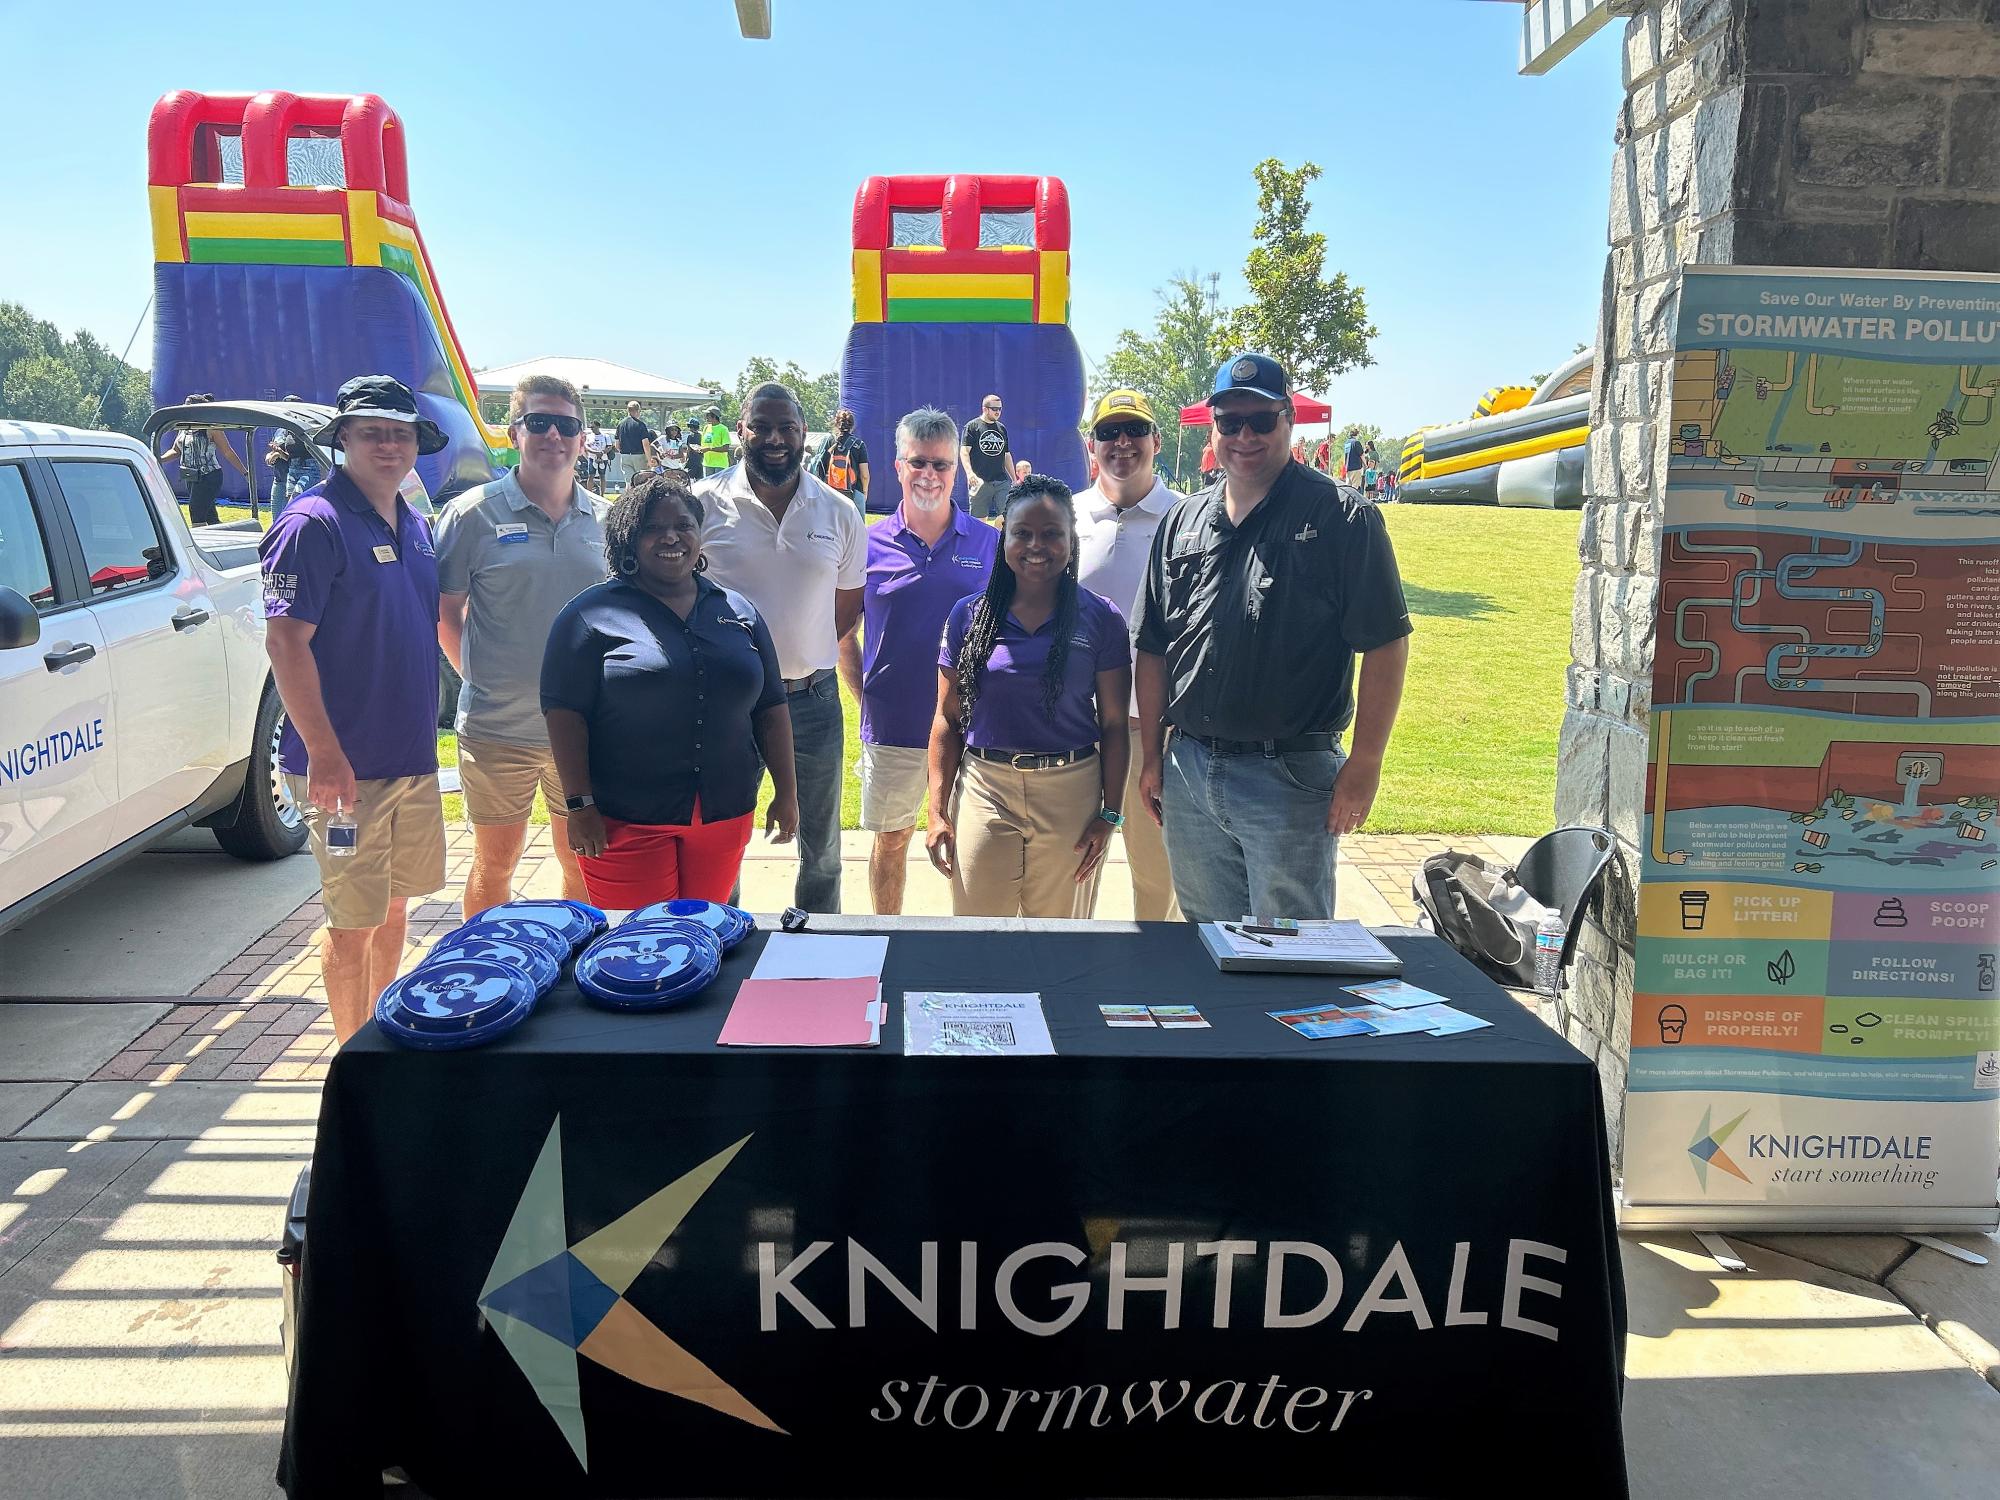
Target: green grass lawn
(1490,593)
(1475,745)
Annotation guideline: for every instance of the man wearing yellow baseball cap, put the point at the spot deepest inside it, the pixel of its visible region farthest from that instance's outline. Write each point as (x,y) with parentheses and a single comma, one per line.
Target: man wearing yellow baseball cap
(1115,522)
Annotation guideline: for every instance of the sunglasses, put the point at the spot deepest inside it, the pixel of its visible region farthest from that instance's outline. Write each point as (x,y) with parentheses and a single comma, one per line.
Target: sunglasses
(539,422)
(989,408)
(1263,423)
(941,465)
(1111,432)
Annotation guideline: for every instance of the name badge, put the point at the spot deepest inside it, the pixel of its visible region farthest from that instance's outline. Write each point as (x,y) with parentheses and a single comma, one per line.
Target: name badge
(511,531)
(385,553)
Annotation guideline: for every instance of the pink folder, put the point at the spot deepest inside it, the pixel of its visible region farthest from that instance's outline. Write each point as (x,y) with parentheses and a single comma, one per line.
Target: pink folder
(804,1013)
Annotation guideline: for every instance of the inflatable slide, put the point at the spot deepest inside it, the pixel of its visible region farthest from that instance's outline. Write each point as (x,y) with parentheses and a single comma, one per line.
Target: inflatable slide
(287,259)
(961,288)
(1521,447)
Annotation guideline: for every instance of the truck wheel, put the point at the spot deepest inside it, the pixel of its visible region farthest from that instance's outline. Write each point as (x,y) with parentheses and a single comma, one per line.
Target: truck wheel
(268,825)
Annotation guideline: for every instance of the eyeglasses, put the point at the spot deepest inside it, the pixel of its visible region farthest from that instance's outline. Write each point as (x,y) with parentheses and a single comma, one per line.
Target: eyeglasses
(991,406)
(941,465)
(539,422)
(1111,432)
(1263,423)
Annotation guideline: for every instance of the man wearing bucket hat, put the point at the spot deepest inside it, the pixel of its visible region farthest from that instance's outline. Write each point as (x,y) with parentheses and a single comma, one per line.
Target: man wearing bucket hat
(1260,592)
(351,612)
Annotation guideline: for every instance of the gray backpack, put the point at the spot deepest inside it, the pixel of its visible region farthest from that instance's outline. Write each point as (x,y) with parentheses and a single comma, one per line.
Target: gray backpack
(1483,912)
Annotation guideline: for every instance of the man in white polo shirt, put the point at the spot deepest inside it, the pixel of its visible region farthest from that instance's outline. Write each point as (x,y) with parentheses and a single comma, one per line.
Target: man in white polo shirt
(1116,519)
(798,551)
(510,555)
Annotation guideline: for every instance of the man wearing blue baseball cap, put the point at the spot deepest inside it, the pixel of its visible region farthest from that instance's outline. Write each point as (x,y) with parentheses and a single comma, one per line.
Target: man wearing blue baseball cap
(1259,594)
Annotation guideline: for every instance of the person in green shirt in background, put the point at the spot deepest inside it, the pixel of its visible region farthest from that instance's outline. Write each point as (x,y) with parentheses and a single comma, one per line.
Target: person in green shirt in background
(714,444)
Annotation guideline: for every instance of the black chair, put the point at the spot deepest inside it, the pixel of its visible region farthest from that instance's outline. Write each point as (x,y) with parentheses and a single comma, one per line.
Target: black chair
(1565,869)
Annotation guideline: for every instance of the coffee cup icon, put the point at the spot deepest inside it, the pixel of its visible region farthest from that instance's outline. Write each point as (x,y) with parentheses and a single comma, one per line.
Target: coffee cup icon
(1673,1021)
(1694,910)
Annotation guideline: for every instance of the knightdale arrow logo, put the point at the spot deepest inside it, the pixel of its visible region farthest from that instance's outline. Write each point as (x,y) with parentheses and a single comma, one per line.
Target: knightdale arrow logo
(550,1301)
(1706,1148)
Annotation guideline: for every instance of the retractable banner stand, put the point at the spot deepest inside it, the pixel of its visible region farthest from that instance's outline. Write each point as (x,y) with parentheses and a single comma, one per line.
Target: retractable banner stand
(1815,1029)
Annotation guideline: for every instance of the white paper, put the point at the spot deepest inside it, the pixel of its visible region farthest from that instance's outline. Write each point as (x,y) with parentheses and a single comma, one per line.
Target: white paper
(1341,941)
(1394,994)
(1443,1020)
(960,1025)
(813,955)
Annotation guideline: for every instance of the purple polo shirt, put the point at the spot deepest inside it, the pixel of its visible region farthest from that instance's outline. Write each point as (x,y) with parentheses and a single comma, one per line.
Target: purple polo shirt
(1008,712)
(910,590)
(377,613)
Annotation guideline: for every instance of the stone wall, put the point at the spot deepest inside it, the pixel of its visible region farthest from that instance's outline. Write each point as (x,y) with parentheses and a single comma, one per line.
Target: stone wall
(1835,133)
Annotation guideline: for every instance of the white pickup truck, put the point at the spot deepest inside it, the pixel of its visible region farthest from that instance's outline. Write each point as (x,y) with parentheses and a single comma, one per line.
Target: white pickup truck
(135,696)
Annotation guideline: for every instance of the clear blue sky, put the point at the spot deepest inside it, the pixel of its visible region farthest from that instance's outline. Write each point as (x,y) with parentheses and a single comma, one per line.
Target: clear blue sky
(549,163)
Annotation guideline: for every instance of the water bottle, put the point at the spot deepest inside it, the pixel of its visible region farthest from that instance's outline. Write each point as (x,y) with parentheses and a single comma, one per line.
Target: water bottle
(343,833)
(1549,935)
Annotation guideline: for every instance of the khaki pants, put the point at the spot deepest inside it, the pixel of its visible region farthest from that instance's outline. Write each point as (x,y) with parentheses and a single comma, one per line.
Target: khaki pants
(1153,898)
(398,850)
(1017,833)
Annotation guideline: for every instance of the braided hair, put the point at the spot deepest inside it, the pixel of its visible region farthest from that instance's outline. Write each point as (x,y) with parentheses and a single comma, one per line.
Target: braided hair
(983,630)
(629,513)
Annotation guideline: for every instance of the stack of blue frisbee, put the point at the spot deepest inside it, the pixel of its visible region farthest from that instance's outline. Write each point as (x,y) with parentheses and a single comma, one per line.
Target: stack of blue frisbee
(454,1002)
(542,964)
(575,922)
(649,965)
(730,923)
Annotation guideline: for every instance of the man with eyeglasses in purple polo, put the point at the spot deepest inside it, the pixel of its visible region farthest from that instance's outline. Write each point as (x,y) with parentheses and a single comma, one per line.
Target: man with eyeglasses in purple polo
(1259,594)
(510,555)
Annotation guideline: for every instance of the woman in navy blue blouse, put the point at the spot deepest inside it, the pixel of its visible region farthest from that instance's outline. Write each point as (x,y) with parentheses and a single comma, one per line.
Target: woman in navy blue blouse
(662,692)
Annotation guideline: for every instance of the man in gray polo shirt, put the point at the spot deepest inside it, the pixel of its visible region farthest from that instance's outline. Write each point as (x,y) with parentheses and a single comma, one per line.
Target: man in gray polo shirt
(510,555)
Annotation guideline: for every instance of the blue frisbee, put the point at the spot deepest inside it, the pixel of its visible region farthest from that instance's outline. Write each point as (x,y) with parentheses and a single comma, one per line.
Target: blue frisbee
(459,1002)
(649,965)
(577,923)
(731,924)
(538,963)
(509,929)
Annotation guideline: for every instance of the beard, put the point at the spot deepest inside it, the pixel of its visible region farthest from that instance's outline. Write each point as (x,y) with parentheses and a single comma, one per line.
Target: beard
(768,473)
(919,502)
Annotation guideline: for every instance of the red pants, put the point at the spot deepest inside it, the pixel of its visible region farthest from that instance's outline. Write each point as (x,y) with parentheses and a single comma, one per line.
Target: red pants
(645,862)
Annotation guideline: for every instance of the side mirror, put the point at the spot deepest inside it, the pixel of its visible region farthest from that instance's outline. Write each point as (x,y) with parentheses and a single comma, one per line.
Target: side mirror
(19,624)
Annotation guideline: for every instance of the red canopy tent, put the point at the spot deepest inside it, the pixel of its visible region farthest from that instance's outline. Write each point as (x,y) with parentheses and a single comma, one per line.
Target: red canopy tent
(1304,409)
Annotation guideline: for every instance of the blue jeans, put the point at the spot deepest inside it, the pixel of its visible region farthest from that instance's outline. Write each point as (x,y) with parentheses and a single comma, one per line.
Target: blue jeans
(1246,834)
(817,748)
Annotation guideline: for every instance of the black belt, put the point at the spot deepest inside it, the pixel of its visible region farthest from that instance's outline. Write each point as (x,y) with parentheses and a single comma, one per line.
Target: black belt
(1326,739)
(808,682)
(1027,760)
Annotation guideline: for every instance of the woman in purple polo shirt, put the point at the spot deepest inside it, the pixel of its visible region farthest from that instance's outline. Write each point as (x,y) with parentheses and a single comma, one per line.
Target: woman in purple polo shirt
(1028,748)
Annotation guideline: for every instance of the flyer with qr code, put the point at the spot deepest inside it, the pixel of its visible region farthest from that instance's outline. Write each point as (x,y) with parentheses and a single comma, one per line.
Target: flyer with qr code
(941,1024)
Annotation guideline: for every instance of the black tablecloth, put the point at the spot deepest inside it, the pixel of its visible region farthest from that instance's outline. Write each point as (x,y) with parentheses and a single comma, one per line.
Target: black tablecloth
(1035,1215)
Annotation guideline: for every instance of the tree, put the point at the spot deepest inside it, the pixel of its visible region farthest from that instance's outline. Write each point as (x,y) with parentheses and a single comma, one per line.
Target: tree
(1172,367)
(819,395)
(1313,324)
(42,389)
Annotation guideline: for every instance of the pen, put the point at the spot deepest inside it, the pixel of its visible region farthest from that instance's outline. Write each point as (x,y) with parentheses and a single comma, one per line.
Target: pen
(1226,927)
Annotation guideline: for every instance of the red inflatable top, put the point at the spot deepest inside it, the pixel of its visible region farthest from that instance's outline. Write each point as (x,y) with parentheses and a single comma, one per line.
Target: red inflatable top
(182,141)
(959,200)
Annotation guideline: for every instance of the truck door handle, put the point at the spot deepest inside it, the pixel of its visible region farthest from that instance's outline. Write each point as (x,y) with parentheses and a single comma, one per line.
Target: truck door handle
(55,661)
(187,619)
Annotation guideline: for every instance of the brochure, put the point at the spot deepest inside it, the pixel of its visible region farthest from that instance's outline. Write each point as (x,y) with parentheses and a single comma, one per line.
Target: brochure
(1320,1022)
(1178,1017)
(1393,994)
(1125,1015)
(1391,1022)
(1444,1020)
(943,1024)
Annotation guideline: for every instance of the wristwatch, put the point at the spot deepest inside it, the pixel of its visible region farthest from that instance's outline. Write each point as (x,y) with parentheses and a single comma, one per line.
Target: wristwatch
(578,804)
(1115,819)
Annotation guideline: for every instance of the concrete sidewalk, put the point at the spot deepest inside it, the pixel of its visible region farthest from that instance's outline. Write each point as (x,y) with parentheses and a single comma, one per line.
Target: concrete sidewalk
(147,1148)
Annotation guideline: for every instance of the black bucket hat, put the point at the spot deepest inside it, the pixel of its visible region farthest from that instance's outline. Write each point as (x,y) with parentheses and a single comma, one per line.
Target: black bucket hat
(380,396)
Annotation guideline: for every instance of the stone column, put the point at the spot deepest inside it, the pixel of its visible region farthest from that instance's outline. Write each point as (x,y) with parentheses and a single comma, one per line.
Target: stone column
(1838,133)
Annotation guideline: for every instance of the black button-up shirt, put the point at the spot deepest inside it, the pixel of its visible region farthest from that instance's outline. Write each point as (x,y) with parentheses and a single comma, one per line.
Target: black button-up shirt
(1260,623)
(669,702)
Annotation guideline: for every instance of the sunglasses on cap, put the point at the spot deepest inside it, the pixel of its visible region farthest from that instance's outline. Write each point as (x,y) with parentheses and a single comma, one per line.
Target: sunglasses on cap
(1263,423)
(539,422)
(1111,432)
(941,465)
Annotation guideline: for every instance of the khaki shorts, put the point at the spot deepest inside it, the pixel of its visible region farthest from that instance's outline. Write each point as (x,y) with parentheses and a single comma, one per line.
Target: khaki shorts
(499,781)
(398,853)
(895,779)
